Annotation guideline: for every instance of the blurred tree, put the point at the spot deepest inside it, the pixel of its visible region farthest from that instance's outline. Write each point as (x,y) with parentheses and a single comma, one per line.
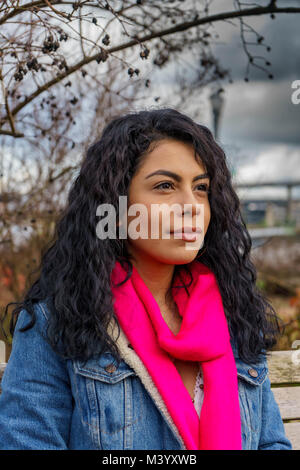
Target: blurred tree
(46,45)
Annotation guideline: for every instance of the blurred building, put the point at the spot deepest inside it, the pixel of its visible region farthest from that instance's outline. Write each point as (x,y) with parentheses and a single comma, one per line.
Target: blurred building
(273,212)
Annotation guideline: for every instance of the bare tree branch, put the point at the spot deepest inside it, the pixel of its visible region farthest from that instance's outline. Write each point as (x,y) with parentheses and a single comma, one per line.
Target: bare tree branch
(271,8)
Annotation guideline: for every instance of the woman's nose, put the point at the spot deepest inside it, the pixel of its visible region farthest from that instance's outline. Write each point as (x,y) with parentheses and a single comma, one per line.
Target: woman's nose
(190,204)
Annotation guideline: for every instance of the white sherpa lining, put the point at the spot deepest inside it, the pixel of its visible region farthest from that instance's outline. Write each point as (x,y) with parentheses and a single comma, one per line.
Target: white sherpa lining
(134,361)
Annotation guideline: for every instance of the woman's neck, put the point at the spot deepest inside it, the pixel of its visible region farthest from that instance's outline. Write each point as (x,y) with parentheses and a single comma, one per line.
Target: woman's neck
(157,277)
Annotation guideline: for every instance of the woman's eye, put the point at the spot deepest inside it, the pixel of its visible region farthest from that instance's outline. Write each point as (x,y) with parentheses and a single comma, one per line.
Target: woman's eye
(203,187)
(168,185)
(160,186)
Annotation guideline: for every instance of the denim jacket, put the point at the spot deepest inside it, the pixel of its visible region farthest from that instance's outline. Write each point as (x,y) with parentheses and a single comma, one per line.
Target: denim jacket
(51,403)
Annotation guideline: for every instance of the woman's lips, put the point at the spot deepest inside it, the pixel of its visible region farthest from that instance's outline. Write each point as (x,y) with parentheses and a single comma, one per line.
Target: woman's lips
(187,234)
(188,237)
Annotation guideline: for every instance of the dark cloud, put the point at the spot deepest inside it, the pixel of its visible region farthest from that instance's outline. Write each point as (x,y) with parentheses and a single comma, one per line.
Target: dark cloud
(281,34)
(261,112)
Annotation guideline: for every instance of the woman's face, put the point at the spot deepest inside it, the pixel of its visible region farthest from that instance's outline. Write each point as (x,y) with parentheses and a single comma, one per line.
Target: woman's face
(185,185)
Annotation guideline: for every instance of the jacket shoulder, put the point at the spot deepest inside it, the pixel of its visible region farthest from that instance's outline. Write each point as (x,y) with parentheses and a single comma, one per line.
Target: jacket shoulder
(40,317)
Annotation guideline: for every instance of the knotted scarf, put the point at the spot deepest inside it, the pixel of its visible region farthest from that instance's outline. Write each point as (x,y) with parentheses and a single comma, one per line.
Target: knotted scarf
(203,337)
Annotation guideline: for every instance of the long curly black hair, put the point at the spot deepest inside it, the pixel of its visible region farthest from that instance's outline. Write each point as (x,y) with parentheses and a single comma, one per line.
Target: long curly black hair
(76,265)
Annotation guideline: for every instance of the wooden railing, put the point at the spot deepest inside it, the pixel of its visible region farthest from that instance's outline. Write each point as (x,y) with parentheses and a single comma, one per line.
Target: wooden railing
(284,375)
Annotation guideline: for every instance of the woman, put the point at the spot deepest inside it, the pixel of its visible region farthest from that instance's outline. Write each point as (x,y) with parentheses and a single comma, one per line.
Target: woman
(130,335)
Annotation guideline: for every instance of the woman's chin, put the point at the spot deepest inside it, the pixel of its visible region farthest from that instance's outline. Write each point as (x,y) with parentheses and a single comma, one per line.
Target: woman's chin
(178,256)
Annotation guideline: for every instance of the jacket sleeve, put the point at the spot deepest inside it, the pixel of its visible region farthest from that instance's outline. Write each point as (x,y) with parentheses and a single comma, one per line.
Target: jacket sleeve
(36,399)
(272,435)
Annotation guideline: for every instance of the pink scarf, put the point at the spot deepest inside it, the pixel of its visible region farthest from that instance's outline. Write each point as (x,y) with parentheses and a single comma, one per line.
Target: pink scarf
(203,337)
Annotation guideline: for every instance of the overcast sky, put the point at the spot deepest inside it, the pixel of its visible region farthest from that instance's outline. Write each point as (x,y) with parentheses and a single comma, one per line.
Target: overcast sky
(259,116)
(260,127)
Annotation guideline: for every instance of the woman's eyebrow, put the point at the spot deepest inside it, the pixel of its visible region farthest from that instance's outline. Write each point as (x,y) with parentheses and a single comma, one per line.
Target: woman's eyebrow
(175,176)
